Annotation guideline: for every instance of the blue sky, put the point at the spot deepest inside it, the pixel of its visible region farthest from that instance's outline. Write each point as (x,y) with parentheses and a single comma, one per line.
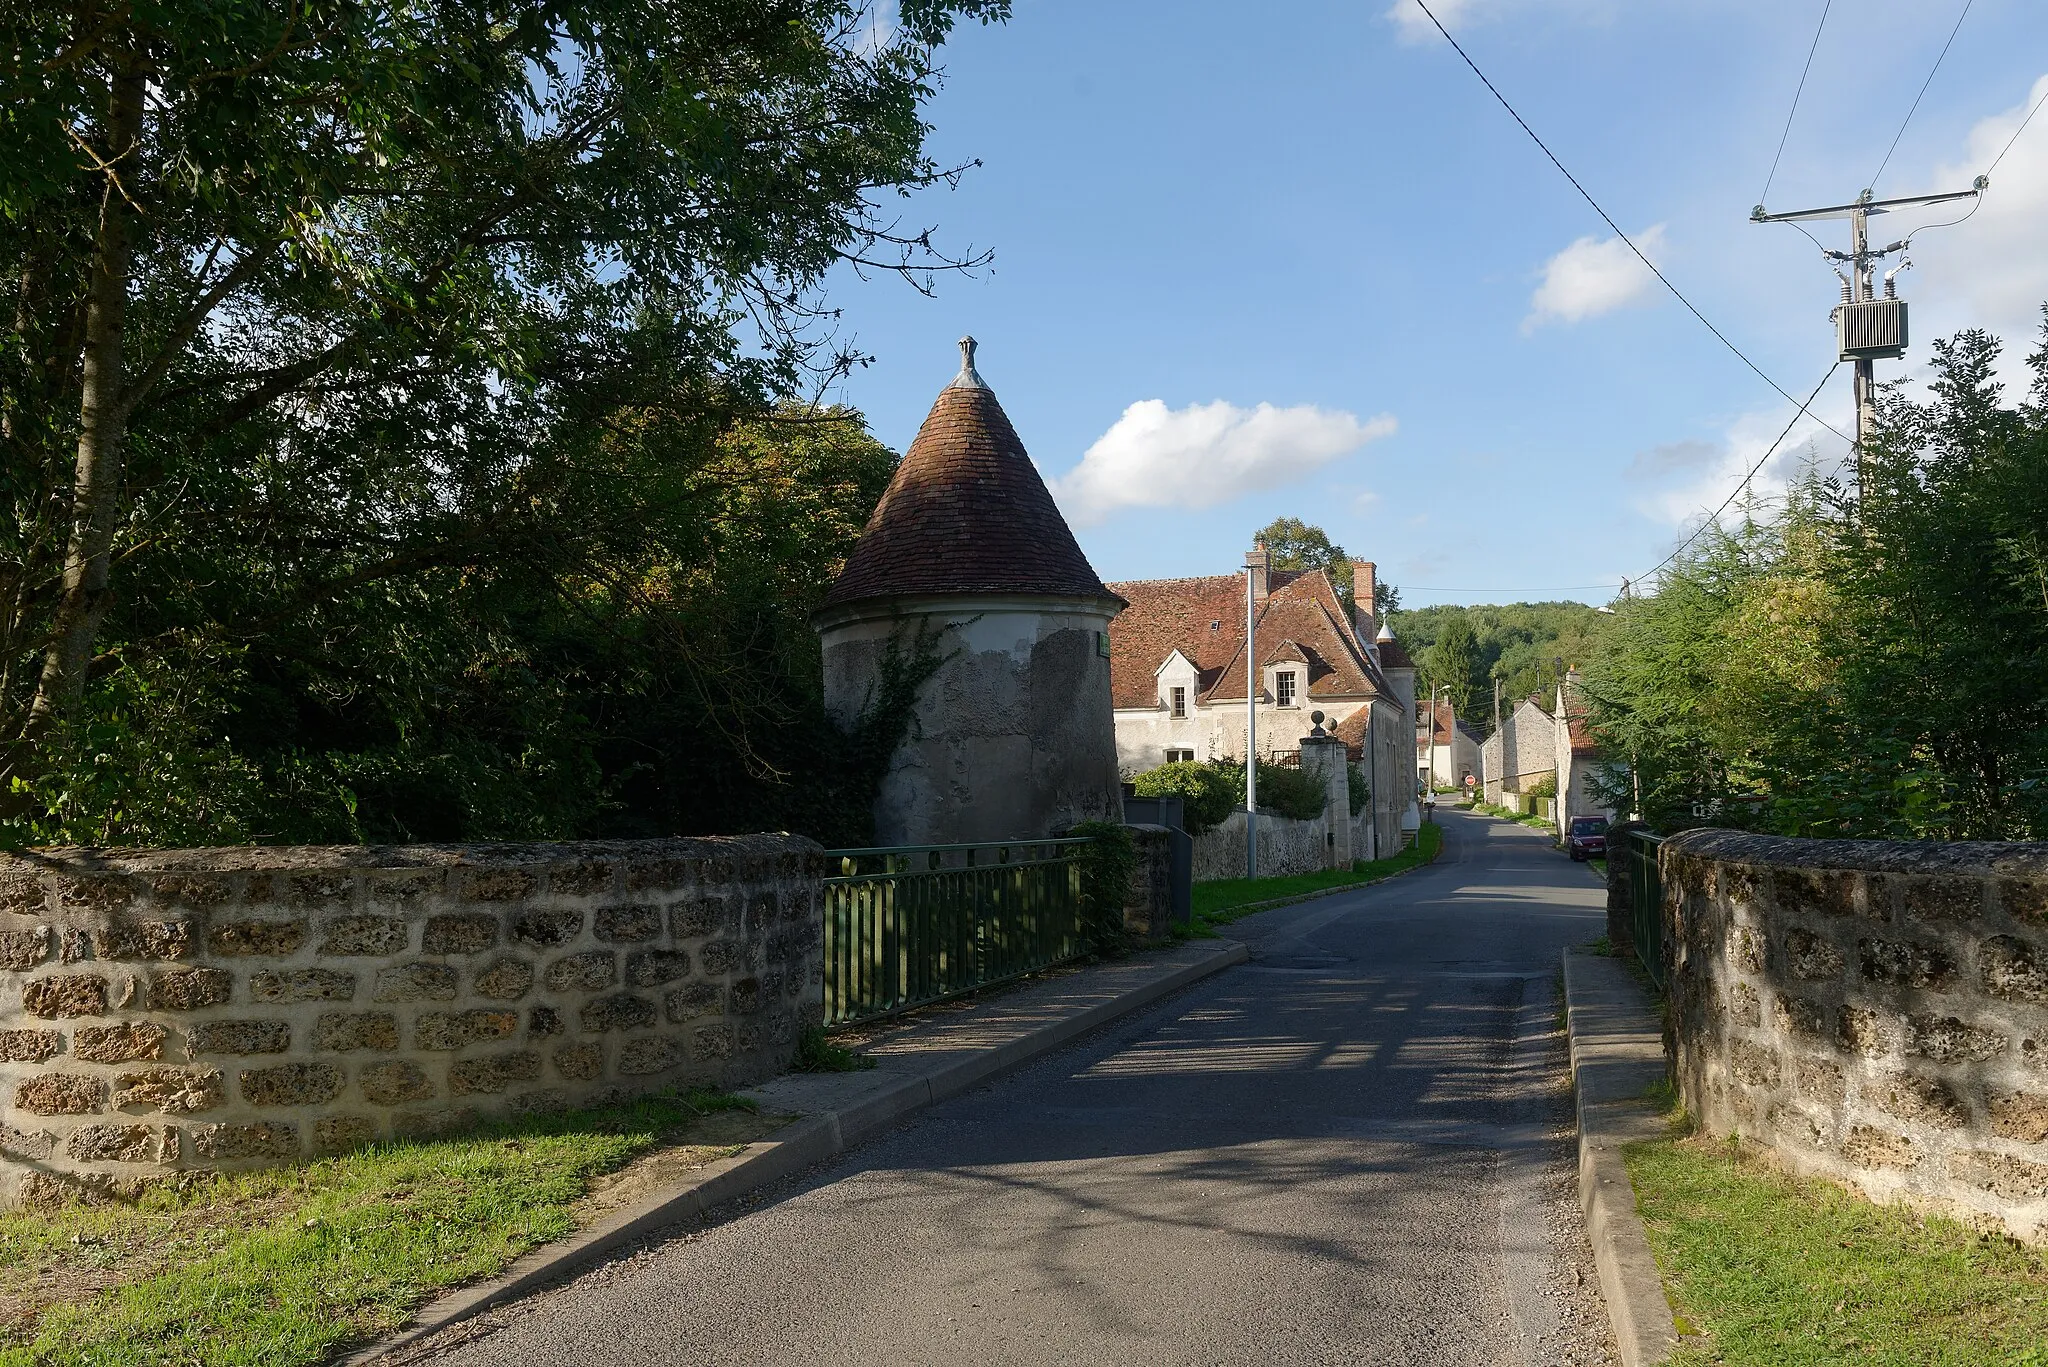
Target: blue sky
(1199,209)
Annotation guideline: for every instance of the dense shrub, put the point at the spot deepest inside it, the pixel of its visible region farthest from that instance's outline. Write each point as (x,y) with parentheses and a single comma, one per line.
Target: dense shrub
(1360,788)
(1107,863)
(1207,792)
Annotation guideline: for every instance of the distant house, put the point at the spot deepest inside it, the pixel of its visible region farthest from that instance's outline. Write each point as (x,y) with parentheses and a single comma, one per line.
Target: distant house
(1578,755)
(1179,671)
(1522,752)
(1447,749)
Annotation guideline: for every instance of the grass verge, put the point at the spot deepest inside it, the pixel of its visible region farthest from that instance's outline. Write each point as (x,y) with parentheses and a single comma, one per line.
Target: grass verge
(283,1267)
(1776,1271)
(1223,900)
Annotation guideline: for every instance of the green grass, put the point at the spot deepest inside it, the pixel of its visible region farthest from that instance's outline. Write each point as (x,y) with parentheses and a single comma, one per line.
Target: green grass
(1780,1272)
(1223,900)
(1510,814)
(816,1053)
(283,1267)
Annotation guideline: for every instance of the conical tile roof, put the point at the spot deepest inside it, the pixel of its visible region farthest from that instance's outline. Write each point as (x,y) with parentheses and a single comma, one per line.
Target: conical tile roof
(966,513)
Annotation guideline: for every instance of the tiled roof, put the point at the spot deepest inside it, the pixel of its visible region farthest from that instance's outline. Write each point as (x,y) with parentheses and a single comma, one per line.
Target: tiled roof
(1392,656)
(1203,618)
(966,513)
(1583,740)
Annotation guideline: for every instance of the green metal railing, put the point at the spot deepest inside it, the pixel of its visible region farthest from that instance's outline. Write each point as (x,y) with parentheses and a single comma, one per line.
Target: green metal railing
(913,925)
(1646,902)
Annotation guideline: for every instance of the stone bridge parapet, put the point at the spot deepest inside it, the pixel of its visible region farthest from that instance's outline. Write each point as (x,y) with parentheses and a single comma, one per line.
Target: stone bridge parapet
(169,1011)
(1873,1011)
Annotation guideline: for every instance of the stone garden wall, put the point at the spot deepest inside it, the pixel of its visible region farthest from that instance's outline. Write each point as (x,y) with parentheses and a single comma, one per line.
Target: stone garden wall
(1875,1012)
(163,1012)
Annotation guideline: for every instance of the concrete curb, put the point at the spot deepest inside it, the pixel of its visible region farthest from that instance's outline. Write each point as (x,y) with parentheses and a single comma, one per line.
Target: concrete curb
(1617,1052)
(801,1144)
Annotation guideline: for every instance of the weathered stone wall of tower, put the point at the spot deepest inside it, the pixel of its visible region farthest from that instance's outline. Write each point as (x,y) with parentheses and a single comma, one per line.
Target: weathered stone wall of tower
(1013,737)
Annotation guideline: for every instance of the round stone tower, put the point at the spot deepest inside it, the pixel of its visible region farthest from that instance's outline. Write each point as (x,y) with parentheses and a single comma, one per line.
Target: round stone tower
(966,556)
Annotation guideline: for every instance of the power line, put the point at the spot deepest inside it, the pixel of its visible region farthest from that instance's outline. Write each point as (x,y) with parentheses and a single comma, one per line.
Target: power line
(1606,218)
(1872,182)
(1716,514)
(2015,133)
(1813,48)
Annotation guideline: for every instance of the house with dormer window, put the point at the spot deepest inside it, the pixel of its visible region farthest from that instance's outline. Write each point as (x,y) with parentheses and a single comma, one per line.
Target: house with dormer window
(1179,666)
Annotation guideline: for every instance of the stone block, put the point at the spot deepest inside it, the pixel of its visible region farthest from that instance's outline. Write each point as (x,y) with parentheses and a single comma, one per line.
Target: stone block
(340,1133)
(649,1054)
(439,1030)
(1811,957)
(623,924)
(464,933)
(1915,1099)
(174,1091)
(545,927)
(653,967)
(20,949)
(1815,892)
(302,985)
(666,873)
(1749,1063)
(1947,1039)
(505,979)
(60,1094)
(404,888)
(129,1042)
(358,936)
(33,1145)
(242,1037)
(322,889)
(743,998)
(543,1021)
(65,994)
(244,939)
(1795,1016)
(193,889)
(580,1062)
(30,1046)
(1820,1080)
(2024,900)
(697,917)
(392,1084)
(1942,899)
(691,1001)
(591,972)
(711,1042)
(1868,1147)
(343,1032)
(499,885)
(190,989)
(492,1073)
(97,892)
(2001,1174)
(249,1139)
(291,1084)
(2012,969)
(122,1144)
(2019,1115)
(763,909)
(1744,1006)
(618,1012)
(161,940)
(1871,1034)
(1746,949)
(414,982)
(580,878)
(1904,963)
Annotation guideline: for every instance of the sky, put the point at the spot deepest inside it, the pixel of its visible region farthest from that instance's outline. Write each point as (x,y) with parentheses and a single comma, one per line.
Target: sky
(1294,260)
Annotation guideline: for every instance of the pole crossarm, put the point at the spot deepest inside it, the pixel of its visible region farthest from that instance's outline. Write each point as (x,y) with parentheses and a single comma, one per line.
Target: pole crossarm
(1868,206)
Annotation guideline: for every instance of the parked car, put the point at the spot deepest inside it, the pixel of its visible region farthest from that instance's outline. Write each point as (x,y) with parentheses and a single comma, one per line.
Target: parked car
(1588,838)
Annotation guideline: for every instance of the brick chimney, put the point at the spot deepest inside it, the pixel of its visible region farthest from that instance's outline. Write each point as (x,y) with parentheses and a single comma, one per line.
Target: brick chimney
(1255,561)
(1364,582)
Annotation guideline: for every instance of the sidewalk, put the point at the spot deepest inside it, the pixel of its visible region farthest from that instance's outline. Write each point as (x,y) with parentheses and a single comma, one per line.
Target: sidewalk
(938,1053)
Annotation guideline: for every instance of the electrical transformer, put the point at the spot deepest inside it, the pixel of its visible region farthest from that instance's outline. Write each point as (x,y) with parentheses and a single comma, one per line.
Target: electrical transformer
(1873,330)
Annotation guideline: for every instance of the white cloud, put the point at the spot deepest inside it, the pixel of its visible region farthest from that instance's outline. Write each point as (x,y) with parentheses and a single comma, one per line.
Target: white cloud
(1592,277)
(1206,454)
(1989,271)
(1683,481)
(1415,25)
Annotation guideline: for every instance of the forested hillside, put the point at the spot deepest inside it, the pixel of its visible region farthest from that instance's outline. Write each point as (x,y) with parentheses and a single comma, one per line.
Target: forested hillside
(1517,643)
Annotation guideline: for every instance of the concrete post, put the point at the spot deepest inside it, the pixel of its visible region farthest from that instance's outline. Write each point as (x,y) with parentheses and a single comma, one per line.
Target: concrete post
(1326,757)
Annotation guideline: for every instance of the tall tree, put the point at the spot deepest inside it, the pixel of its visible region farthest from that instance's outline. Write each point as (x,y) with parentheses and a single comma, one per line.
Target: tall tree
(1453,662)
(1292,544)
(360,285)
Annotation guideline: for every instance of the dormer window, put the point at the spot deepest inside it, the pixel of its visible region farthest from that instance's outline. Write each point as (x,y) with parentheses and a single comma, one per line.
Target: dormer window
(1283,688)
(1216,625)
(1177,701)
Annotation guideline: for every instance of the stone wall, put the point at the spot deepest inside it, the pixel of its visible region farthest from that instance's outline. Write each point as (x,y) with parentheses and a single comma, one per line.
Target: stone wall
(1875,1012)
(1286,847)
(162,1012)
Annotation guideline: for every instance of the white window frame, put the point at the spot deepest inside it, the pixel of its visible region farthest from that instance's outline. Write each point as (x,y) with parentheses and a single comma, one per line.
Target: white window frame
(1179,754)
(1284,689)
(1177,701)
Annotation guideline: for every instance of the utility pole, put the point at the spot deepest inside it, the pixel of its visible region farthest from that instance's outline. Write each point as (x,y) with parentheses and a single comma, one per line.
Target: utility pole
(1867,329)
(1251,718)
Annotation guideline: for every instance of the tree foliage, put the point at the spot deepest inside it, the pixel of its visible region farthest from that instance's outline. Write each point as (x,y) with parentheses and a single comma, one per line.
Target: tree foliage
(1518,644)
(388,406)
(1872,665)
(1292,544)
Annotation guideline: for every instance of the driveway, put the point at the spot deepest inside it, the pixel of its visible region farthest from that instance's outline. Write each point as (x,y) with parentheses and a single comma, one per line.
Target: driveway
(1349,1150)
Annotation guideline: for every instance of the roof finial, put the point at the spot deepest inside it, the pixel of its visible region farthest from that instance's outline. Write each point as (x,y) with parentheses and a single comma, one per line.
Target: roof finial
(969,377)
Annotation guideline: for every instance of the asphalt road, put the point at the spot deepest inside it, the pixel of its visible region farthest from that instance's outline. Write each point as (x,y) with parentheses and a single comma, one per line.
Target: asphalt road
(1346,1151)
